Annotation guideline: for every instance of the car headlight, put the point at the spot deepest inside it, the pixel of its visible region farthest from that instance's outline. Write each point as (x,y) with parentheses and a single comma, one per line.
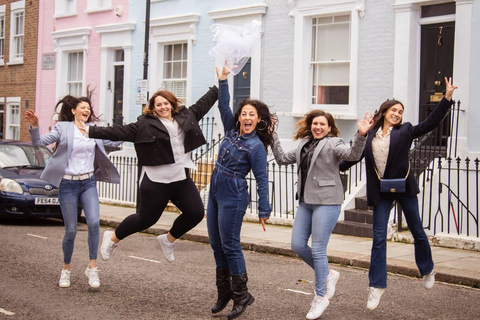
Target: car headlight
(9,185)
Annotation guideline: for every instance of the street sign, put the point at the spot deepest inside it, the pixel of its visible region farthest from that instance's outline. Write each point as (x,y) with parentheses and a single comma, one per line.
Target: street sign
(141,92)
(48,61)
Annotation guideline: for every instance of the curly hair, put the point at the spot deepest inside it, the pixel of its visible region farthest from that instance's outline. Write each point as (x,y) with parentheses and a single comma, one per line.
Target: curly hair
(379,116)
(303,128)
(175,102)
(65,105)
(266,126)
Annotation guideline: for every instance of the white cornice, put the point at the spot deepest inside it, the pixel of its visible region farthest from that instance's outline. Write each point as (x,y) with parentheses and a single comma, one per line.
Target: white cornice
(71,33)
(116,27)
(164,21)
(256,9)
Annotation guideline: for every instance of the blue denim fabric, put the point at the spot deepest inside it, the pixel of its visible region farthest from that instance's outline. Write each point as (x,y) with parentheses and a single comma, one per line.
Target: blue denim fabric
(317,221)
(228,197)
(227,202)
(378,260)
(70,193)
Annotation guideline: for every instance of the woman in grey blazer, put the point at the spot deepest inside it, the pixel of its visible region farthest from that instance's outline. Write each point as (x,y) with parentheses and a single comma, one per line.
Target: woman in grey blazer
(76,165)
(320,192)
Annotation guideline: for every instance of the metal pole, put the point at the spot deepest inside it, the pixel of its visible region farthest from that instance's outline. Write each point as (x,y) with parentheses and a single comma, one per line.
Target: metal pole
(147,33)
(145,77)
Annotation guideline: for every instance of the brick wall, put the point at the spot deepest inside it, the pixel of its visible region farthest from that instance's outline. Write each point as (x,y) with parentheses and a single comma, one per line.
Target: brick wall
(20,80)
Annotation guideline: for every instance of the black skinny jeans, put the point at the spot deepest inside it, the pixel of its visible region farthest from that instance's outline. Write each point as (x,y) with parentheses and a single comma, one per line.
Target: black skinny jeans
(155,196)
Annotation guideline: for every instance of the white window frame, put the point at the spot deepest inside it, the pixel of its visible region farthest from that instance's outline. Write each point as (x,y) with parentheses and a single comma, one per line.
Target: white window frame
(68,41)
(2,31)
(304,12)
(10,126)
(62,9)
(70,83)
(17,8)
(172,80)
(98,6)
(166,31)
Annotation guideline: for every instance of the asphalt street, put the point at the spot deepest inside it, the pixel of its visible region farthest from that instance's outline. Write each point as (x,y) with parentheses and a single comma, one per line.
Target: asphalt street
(138,283)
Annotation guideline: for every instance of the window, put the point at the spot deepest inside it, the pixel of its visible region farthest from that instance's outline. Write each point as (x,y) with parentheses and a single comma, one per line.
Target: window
(13,120)
(65,8)
(330,59)
(75,74)
(2,34)
(175,69)
(17,25)
(325,57)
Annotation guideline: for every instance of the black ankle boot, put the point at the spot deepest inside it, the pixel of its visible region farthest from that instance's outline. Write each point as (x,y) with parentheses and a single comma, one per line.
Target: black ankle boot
(224,282)
(241,297)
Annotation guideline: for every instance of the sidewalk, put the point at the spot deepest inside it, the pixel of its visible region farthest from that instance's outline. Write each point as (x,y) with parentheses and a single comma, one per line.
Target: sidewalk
(451,265)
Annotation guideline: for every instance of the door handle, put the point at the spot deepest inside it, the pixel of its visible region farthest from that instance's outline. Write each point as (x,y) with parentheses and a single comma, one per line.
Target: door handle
(437,83)
(244,74)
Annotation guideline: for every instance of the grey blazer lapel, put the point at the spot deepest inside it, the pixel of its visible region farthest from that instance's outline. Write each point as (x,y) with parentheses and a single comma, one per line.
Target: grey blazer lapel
(319,148)
(70,133)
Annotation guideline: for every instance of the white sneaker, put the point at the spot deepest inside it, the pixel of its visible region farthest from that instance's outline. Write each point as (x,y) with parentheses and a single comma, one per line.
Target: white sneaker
(92,275)
(429,280)
(319,304)
(107,245)
(331,283)
(64,279)
(374,295)
(167,247)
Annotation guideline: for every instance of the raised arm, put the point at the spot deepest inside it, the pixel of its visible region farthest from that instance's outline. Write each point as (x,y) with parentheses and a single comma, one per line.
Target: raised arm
(437,115)
(224,100)
(281,157)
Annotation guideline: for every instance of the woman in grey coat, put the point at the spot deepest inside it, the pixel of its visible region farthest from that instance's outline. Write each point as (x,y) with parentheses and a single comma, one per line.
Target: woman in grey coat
(77,164)
(320,192)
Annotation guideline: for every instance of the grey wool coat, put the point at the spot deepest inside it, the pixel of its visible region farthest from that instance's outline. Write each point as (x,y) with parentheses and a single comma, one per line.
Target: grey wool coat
(323,185)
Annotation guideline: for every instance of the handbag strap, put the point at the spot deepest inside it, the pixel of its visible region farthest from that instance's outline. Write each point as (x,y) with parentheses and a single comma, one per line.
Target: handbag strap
(376,171)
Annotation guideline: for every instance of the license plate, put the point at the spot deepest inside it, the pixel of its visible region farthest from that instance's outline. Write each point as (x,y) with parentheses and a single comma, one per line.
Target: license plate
(46,201)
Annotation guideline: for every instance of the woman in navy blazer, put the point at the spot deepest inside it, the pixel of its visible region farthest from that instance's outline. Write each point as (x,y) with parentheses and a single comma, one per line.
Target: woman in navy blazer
(386,152)
(76,165)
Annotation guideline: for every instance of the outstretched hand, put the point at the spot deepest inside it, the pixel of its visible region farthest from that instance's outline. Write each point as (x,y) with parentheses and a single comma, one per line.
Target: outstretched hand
(31,117)
(222,75)
(366,124)
(449,88)
(262,222)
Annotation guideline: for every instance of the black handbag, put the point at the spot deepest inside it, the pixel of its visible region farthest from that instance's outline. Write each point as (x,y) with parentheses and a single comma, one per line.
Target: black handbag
(398,185)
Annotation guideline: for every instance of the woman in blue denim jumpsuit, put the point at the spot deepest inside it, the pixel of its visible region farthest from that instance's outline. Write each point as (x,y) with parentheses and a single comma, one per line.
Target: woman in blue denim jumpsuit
(247,135)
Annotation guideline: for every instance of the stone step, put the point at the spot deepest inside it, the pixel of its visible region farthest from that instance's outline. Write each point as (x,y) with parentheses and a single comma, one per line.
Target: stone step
(356,215)
(361,203)
(355,229)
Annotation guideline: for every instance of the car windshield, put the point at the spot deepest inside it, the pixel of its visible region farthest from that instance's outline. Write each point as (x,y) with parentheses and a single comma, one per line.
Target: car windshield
(23,156)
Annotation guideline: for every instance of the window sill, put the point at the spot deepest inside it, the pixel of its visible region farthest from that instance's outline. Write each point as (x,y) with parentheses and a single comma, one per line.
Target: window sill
(336,116)
(14,63)
(65,15)
(96,10)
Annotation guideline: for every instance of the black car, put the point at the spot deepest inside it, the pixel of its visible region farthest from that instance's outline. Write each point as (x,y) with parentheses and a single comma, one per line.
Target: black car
(22,192)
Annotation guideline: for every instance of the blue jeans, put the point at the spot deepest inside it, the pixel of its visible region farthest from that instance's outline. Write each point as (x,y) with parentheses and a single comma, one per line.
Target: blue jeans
(317,221)
(378,260)
(70,193)
(227,202)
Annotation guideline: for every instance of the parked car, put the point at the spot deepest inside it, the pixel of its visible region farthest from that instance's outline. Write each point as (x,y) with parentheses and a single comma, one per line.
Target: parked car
(22,192)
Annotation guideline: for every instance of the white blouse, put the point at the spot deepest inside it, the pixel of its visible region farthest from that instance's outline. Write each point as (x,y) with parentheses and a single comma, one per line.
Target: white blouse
(172,172)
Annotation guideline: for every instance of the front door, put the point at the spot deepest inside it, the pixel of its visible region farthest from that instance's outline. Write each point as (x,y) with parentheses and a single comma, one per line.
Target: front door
(241,86)
(436,64)
(118,96)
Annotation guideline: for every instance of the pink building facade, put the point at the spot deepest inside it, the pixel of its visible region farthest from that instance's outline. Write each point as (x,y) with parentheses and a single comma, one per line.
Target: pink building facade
(83,44)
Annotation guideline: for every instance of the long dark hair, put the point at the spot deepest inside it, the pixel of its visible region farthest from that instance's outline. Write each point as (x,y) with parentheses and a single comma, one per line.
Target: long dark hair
(379,116)
(65,105)
(175,102)
(265,127)
(304,125)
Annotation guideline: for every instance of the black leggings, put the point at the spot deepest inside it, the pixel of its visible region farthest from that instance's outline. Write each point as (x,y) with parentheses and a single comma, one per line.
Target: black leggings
(155,196)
